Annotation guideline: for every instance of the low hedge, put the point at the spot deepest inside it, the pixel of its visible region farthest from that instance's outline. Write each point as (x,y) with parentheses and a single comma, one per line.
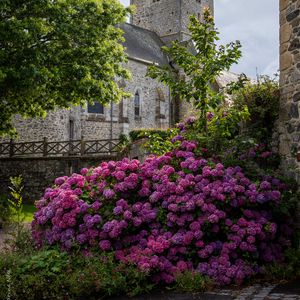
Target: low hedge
(144,133)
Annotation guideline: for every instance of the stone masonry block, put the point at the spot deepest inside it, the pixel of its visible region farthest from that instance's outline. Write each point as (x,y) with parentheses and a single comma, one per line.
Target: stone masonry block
(285,60)
(285,33)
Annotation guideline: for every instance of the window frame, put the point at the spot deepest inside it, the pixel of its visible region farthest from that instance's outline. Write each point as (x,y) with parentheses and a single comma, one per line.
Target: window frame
(101,110)
(137,106)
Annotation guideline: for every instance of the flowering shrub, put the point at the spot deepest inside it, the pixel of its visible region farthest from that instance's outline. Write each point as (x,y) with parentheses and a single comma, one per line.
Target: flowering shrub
(171,214)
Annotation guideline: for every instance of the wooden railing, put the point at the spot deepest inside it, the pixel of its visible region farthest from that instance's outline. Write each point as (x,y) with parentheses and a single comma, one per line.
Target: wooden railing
(61,148)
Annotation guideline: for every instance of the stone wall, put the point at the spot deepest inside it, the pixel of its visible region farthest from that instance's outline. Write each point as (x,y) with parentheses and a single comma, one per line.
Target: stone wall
(162,16)
(54,127)
(39,173)
(193,7)
(168,18)
(289,121)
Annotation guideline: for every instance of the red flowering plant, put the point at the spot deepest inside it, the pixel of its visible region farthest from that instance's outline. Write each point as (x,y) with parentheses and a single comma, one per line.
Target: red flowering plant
(171,214)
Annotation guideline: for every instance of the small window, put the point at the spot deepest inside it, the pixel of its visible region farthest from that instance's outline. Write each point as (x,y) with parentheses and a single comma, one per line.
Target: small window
(97,108)
(137,104)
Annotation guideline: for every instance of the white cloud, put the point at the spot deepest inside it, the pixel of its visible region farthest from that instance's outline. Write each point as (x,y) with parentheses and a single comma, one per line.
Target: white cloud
(255,24)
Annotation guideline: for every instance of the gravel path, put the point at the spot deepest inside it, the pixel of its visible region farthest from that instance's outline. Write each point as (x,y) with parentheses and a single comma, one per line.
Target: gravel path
(4,236)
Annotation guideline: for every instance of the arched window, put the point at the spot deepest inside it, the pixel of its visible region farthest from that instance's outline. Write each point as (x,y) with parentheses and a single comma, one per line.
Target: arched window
(137,104)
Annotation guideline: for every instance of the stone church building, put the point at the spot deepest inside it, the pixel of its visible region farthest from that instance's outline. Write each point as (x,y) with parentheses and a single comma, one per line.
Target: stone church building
(155,23)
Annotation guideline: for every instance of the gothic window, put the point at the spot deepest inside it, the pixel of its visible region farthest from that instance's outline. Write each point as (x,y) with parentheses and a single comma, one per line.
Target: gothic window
(96,108)
(137,104)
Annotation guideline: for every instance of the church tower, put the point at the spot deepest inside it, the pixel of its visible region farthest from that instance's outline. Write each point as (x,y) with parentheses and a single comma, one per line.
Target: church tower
(168,18)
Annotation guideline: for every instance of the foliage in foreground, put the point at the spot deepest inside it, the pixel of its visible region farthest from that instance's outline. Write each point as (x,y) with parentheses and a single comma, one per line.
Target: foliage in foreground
(58,54)
(52,274)
(11,208)
(191,282)
(287,271)
(174,213)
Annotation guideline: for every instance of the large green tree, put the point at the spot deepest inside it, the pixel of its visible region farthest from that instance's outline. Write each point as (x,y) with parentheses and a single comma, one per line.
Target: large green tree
(58,53)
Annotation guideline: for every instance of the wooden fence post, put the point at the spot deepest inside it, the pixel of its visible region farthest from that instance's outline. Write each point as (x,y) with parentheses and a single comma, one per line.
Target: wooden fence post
(45,146)
(11,148)
(82,147)
(110,146)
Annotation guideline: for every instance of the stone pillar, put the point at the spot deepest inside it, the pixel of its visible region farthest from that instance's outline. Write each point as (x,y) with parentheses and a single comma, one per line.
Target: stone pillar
(289,120)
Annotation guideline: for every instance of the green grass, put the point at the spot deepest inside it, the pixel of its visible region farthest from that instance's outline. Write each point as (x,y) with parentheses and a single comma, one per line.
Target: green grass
(27,214)
(28,211)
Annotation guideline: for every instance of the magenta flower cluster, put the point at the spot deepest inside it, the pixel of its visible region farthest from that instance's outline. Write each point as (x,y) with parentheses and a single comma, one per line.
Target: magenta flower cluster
(169,214)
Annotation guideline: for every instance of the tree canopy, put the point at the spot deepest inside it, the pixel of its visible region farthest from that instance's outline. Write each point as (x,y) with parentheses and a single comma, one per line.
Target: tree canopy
(58,53)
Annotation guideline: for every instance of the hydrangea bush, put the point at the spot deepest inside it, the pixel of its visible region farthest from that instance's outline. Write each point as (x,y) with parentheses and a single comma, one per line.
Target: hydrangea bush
(174,213)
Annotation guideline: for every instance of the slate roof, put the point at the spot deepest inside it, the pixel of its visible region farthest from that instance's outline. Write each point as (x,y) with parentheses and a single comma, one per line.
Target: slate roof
(143,44)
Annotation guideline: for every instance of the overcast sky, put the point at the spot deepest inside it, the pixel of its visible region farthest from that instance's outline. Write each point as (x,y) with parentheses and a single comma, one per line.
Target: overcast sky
(255,24)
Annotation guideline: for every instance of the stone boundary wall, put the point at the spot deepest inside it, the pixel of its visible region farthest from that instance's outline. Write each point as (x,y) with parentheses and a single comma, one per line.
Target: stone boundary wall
(39,173)
(289,119)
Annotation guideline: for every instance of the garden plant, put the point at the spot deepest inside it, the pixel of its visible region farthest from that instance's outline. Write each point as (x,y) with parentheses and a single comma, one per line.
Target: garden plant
(174,213)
